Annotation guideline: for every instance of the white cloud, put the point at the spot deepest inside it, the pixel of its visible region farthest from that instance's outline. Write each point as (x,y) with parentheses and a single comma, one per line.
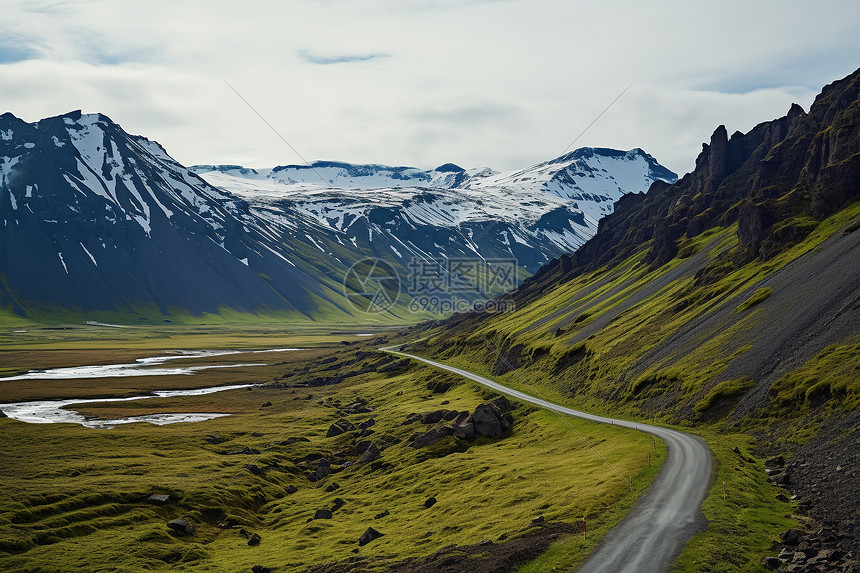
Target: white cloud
(499,83)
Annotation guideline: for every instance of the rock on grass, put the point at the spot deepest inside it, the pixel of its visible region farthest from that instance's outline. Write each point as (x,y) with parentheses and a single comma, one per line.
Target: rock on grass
(368,536)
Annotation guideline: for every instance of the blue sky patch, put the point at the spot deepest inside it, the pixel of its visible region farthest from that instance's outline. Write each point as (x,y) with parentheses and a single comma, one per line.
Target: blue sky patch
(345,59)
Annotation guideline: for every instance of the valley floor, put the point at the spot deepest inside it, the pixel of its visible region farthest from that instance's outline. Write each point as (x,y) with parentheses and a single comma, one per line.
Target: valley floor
(75,498)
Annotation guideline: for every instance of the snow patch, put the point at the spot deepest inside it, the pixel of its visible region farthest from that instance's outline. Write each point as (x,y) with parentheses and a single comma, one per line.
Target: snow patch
(92,258)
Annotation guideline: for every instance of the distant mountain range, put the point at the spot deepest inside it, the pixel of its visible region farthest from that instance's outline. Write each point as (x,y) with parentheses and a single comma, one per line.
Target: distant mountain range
(95,220)
(531,215)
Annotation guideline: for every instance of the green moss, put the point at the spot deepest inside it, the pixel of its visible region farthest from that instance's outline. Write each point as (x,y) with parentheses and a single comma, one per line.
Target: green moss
(724,391)
(833,375)
(758,296)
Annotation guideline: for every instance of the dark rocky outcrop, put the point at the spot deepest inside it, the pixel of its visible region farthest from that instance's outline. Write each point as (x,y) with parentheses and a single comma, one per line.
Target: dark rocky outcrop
(255,469)
(370,454)
(359,406)
(489,420)
(774,181)
(340,427)
(181,527)
(254,540)
(825,548)
(369,535)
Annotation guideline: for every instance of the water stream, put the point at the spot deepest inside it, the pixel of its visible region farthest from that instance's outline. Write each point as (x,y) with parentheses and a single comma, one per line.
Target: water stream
(56,411)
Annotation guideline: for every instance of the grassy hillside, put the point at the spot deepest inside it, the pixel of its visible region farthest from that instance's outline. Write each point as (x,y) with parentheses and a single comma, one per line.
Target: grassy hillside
(756,356)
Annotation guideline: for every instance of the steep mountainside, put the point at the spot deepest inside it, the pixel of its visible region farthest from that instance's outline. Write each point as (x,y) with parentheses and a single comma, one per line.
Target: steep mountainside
(730,299)
(96,219)
(532,215)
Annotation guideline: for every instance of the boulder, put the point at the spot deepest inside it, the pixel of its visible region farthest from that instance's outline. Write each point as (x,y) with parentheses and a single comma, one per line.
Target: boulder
(487,422)
(254,540)
(369,535)
(323,469)
(260,569)
(381,514)
(466,430)
(490,420)
(431,437)
(359,406)
(255,469)
(158,499)
(266,404)
(370,454)
(333,486)
(181,527)
(362,446)
(367,423)
(323,514)
(430,502)
(291,489)
(340,427)
(337,504)
(437,416)
(792,537)
(771,563)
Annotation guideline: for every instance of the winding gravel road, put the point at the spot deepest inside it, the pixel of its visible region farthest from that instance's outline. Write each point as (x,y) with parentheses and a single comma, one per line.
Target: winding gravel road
(664,519)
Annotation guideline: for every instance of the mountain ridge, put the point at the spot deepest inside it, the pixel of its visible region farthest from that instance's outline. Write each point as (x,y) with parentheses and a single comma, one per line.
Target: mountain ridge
(97,220)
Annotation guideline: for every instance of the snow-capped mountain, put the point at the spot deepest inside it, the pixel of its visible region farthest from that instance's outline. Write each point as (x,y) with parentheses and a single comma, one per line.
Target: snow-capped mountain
(532,215)
(97,220)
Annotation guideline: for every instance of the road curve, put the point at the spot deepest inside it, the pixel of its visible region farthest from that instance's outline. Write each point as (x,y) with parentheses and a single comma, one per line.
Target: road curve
(664,519)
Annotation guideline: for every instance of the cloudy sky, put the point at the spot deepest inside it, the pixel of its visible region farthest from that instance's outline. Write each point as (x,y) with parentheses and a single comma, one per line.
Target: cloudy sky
(501,83)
